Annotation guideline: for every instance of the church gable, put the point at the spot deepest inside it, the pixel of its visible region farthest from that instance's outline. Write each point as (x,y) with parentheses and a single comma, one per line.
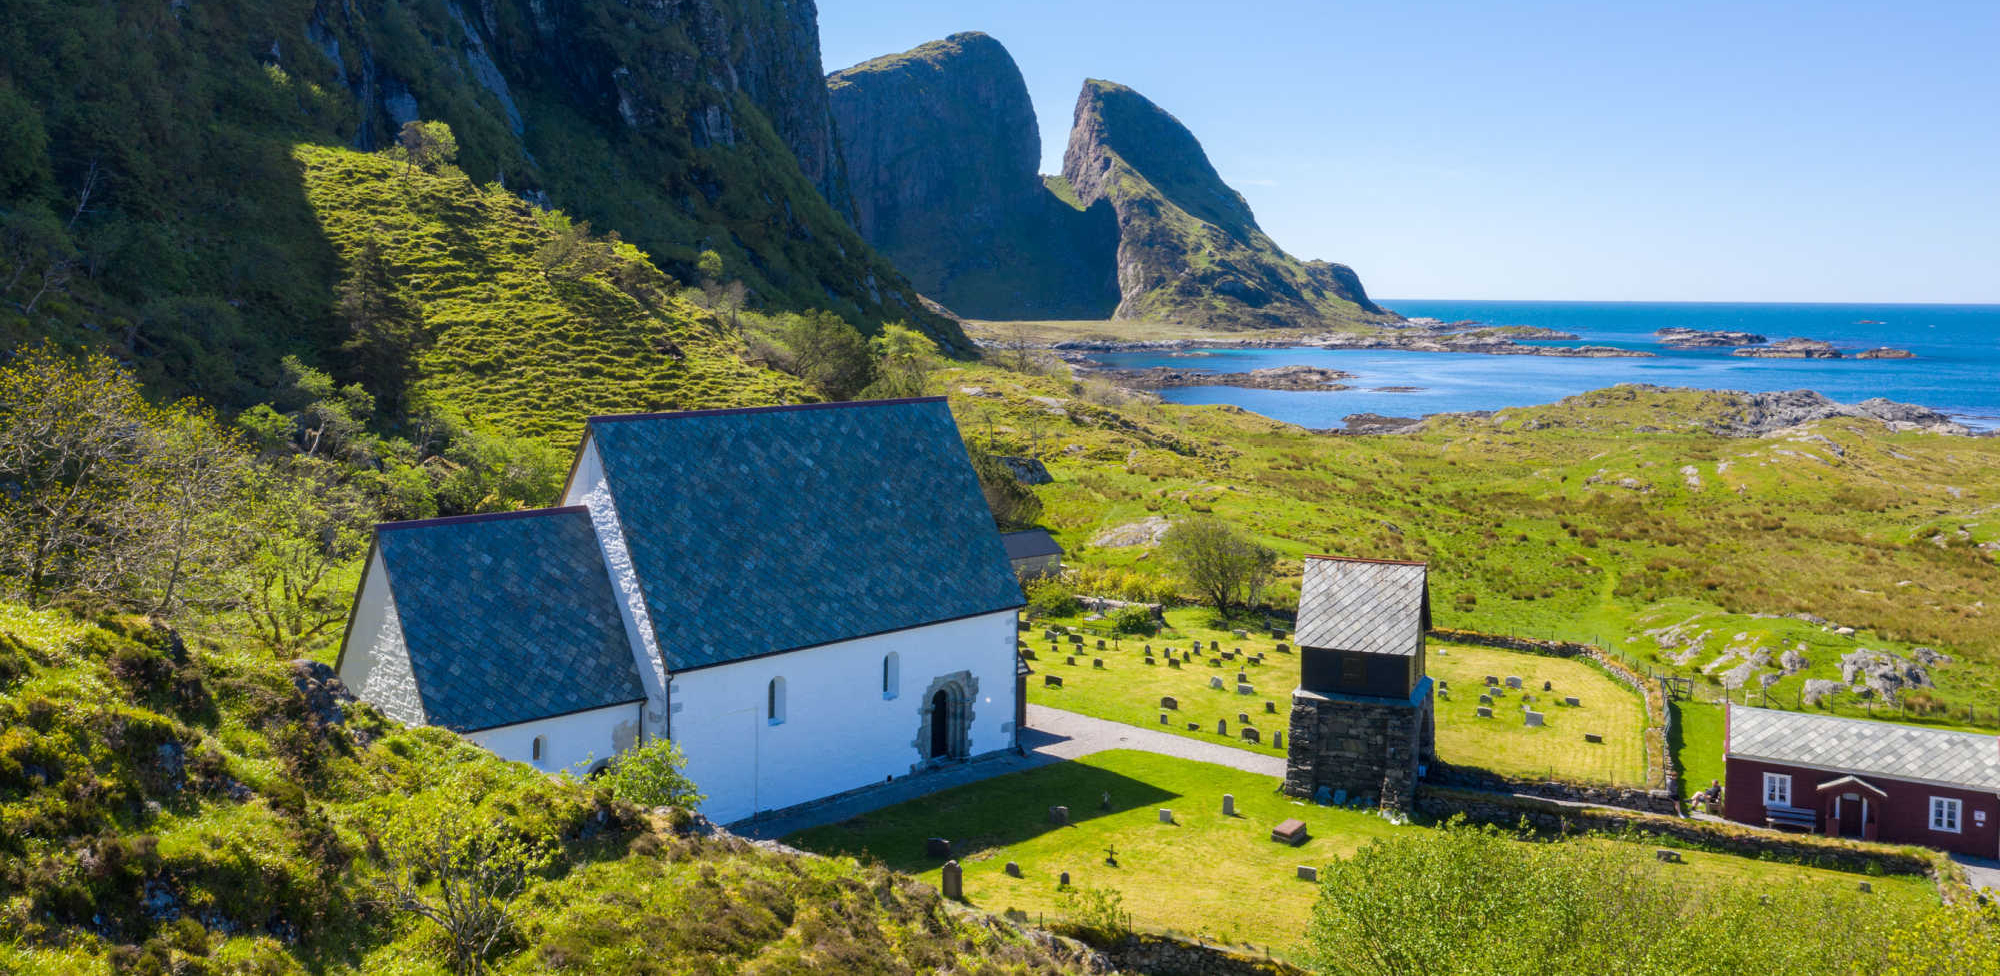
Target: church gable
(758,531)
(505,618)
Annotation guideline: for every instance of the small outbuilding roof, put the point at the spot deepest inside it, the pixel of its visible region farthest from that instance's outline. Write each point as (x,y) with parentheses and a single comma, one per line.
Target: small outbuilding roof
(1030,544)
(1374,606)
(508,618)
(771,529)
(1863,747)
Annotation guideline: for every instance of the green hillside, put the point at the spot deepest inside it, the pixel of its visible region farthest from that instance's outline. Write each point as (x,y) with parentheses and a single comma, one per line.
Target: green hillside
(153,199)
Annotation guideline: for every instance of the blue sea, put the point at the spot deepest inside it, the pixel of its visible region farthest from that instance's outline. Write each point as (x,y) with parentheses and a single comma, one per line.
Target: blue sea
(1957,369)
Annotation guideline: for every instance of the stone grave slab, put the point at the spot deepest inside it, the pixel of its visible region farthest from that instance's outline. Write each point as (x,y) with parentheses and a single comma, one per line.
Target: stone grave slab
(1668,855)
(937,847)
(1097,662)
(1215,682)
(1593,737)
(1222,726)
(952,881)
(1485,712)
(1548,686)
(1051,681)
(1514,682)
(1013,870)
(1308,873)
(1277,740)
(1163,719)
(1491,680)
(1169,702)
(1174,662)
(1486,699)
(1291,832)
(1270,708)
(1533,719)
(1166,815)
(1573,702)
(1059,815)
(1244,689)
(1229,804)
(1249,735)
(1194,726)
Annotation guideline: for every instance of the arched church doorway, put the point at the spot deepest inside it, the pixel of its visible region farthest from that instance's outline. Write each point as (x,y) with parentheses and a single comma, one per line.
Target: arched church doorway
(942,722)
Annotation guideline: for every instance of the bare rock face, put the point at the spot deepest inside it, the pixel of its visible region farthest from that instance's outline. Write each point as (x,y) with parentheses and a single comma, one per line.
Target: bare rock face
(1189,249)
(1791,349)
(1885,352)
(943,146)
(1762,413)
(1684,338)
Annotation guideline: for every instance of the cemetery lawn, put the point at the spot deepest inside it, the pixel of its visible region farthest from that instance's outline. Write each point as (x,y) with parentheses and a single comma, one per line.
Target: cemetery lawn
(1556,750)
(1219,878)
(1697,744)
(1129,690)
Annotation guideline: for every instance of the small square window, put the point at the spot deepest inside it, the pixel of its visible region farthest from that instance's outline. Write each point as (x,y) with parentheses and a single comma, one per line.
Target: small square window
(1946,814)
(1777,790)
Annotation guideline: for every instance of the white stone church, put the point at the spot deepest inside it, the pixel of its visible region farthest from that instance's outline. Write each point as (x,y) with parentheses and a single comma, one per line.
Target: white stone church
(807,599)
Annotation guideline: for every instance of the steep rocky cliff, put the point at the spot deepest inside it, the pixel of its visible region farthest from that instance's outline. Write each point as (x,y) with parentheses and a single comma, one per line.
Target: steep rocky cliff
(149,175)
(944,148)
(1189,248)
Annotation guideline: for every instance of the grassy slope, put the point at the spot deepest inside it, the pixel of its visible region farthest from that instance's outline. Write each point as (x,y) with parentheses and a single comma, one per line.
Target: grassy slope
(512,345)
(1530,527)
(1557,750)
(138,785)
(1221,878)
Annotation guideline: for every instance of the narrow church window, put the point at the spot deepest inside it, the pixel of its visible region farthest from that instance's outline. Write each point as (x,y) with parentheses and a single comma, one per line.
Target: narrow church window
(892,678)
(538,748)
(775,701)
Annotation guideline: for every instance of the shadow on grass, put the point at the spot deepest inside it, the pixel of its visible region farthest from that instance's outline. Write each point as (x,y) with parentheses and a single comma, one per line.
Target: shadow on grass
(994,813)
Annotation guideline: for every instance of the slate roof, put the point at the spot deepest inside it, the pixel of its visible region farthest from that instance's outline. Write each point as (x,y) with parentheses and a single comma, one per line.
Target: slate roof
(508,618)
(1030,544)
(778,528)
(1369,605)
(1865,748)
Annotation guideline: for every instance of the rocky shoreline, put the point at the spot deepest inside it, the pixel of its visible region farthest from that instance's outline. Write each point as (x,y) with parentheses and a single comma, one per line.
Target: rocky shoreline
(1756,415)
(1750,345)
(1305,378)
(1503,341)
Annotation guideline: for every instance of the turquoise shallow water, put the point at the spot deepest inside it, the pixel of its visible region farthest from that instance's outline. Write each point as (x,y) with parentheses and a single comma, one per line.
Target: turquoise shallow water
(1957,370)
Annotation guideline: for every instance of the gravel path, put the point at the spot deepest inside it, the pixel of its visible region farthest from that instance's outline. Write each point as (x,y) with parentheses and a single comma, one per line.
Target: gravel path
(1980,872)
(1052,736)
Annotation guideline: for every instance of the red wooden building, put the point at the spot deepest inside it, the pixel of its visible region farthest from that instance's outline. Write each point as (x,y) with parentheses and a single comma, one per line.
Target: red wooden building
(1847,777)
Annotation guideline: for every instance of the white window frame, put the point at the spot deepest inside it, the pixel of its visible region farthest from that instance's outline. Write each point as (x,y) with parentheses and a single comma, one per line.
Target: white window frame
(1952,809)
(539,748)
(892,675)
(774,700)
(1781,795)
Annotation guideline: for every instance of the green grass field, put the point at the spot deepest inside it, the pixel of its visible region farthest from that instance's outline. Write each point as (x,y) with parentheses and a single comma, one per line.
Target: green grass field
(1205,874)
(1129,690)
(1697,744)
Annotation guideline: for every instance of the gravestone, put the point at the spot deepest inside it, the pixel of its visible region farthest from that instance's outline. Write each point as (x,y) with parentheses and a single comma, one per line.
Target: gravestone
(1222,726)
(1194,726)
(1249,735)
(1533,719)
(1277,635)
(1514,682)
(1174,662)
(1104,800)
(1062,880)
(1339,798)
(1215,645)
(1051,681)
(1076,639)
(1215,662)
(1308,873)
(1270,708)
(1866,887)
(953,881)
(1163,718)
(1028,653)
(1291,832)
(1229,804)
(1239,634)
(1059,816)
(1573,702)
(1244,689)
(1284,649)
(1442,684)
(1491,680)
(1097,662)
(1100,643)
(1022,626)
(1215,682)
(1013,870)
(1166,815)
(1072,662)
(937,847)
(1485,712)
(1243,718)
(1548,686)
(1242,676)
(1050,634)
(1486,699)
(1593,737)
(1277,740)
(1668,855)
(1169,702)
(1150,662)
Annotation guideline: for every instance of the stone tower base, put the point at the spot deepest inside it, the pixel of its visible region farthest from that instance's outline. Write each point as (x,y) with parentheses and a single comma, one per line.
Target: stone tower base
(1363,746)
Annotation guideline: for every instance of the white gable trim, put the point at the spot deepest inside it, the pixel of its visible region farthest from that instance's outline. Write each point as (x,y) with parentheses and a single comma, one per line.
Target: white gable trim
(374,660)
(589,487)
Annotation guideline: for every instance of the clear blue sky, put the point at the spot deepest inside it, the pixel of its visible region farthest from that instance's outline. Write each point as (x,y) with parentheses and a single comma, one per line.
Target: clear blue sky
(1615,150)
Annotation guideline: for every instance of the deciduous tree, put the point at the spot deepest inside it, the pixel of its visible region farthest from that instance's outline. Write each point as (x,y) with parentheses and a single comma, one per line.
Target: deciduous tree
(1218,560)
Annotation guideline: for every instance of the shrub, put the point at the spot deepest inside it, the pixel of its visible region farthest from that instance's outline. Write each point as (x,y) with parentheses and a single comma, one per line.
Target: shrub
(1052,596)
(651,776)
(1137,621)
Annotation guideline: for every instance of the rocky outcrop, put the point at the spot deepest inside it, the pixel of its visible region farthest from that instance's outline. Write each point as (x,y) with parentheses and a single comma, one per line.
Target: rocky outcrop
(1684,338)
(1270,378)
(1189,249)
(1885,352)
(1791,349)
(1758,414)
(944,149)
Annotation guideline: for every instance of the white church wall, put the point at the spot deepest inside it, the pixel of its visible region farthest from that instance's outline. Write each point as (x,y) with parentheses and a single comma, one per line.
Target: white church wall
(375,663)
(577,742)
(839,731)
(588,487)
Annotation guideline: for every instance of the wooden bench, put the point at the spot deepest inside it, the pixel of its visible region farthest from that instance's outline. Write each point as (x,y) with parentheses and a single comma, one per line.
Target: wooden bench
(1791,817)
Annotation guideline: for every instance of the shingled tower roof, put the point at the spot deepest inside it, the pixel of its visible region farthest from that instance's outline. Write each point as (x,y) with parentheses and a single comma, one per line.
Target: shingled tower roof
(1372,606)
